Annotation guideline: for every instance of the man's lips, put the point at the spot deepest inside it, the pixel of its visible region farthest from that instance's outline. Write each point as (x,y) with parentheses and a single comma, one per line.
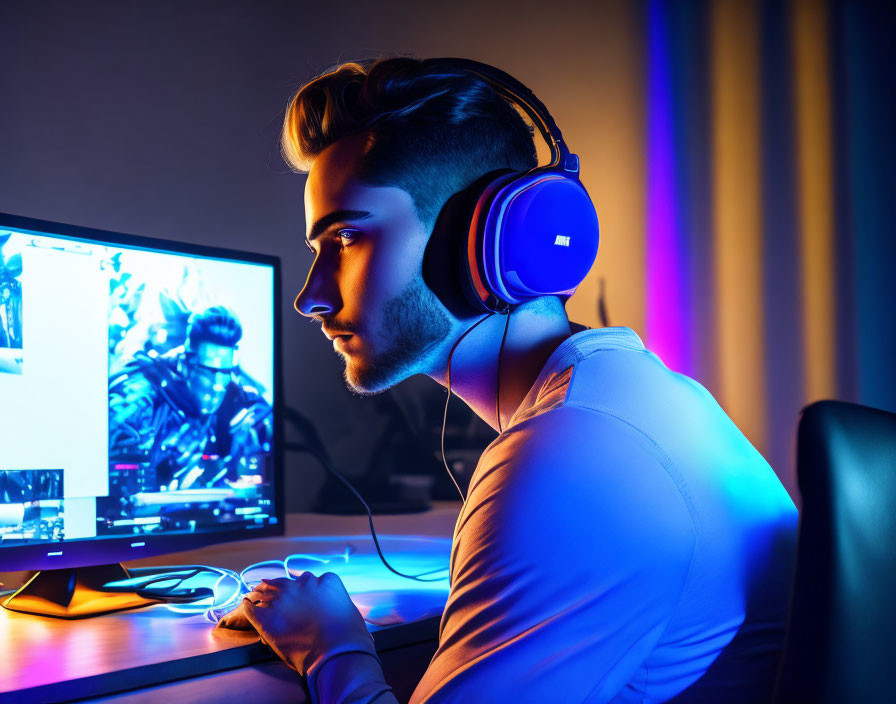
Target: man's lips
(343,343)
(334,334)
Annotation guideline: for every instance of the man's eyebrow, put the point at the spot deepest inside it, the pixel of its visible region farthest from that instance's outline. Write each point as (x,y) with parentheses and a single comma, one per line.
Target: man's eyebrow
(323,223)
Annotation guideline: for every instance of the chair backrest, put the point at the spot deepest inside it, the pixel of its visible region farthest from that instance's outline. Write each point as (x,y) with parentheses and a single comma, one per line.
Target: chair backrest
(841,640)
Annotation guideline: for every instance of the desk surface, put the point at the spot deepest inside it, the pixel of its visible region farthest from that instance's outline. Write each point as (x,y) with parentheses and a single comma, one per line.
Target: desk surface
(49,659)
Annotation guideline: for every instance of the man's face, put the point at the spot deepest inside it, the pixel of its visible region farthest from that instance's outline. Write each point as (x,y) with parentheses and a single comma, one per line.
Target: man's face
(209,371)
(365,285)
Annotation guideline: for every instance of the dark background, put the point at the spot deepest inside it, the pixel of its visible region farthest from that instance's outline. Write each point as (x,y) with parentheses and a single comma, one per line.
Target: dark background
(162,119)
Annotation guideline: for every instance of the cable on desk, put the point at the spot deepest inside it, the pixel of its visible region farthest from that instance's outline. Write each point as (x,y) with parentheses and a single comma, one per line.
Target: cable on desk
(325,463)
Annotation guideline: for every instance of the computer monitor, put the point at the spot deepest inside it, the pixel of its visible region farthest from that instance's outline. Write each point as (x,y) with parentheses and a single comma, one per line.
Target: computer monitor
(139,396)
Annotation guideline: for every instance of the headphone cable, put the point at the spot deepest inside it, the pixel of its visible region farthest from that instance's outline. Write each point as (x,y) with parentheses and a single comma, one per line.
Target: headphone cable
(448,400)
(315,449)
(498,373)
(422,577)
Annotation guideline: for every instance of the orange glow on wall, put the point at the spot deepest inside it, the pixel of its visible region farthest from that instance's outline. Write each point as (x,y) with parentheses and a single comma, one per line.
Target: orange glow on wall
(737,215)
(600,106)
(815,192)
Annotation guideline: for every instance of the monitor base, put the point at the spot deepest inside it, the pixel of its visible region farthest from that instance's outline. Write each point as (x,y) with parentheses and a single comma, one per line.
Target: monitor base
(74,593)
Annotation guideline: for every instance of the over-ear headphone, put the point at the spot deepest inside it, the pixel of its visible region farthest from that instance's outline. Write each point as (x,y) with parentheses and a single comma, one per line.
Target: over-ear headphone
(513,236)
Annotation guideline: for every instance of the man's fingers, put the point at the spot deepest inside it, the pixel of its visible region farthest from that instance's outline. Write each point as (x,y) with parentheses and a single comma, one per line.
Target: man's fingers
(253,611)
(242,617)
(236,619)
(279,582)
(259,596)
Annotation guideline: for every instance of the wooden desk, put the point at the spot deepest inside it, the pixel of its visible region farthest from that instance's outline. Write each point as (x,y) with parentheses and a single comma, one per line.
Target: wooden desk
(48,659)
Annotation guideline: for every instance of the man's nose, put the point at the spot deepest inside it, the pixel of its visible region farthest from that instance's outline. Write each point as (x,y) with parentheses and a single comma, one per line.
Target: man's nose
(318,296)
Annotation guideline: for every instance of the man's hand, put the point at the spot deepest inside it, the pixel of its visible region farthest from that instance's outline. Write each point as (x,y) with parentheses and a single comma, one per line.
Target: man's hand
(304,620)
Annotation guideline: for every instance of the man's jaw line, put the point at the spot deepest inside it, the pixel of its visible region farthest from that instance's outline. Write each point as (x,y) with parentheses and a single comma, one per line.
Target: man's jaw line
(426,361)
(431,362)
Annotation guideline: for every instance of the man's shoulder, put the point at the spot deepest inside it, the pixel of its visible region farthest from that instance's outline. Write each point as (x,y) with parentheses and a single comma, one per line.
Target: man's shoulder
(570,431)
(578,458)
(588,365)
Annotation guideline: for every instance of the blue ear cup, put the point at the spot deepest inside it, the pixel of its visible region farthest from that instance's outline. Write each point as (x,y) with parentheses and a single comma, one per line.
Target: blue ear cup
(530,235)
(512,237)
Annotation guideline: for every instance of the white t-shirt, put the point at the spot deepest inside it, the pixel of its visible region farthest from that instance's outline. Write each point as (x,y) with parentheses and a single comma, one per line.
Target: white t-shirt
(621,541)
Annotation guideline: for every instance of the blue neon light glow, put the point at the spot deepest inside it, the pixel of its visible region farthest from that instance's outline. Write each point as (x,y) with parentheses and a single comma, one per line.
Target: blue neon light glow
(382,596)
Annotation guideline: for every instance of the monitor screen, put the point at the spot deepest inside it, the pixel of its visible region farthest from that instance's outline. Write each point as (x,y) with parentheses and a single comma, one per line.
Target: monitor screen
(138,408)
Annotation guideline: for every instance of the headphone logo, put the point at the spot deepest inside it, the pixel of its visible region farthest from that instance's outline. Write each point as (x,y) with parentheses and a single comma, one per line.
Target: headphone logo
(562,241)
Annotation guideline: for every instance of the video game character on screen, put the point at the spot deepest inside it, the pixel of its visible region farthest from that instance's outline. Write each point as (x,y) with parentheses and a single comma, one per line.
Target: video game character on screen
(190,420)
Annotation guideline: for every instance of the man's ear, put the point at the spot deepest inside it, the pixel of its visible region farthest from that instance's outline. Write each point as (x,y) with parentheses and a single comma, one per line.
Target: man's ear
(445,268)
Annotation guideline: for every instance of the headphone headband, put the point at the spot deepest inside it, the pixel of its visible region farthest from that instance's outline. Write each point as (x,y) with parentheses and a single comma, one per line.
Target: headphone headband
(511,89)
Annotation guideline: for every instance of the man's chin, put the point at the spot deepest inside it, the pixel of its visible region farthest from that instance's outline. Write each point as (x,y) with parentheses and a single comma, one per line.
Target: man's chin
(368,379)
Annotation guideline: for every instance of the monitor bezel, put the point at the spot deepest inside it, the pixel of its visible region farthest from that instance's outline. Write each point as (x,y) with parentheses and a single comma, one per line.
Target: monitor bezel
(98,551)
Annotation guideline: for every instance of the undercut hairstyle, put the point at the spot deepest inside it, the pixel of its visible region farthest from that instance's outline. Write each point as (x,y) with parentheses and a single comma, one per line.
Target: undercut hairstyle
(431,128)
(216,325)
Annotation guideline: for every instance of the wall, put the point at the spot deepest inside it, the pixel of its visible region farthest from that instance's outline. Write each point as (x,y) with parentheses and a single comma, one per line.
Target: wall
(740,155)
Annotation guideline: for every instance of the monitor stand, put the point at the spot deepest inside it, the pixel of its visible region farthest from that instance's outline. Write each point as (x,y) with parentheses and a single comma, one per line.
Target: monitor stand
(74,593)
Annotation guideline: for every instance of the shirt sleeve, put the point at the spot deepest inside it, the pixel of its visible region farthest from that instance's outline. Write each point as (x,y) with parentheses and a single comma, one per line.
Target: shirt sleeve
(349,678)
(569,560)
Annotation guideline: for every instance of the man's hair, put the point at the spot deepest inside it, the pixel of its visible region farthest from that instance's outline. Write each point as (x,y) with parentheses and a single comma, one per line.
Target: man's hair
(432,128)
(216,325)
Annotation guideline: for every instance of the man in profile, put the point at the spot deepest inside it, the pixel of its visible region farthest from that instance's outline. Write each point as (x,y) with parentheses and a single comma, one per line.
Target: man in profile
(621,541)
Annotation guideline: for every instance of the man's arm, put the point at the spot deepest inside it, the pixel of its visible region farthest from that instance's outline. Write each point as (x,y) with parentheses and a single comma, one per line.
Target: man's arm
(569,561)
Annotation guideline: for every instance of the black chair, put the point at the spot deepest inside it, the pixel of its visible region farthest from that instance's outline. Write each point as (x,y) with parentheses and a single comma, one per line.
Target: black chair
(841,639)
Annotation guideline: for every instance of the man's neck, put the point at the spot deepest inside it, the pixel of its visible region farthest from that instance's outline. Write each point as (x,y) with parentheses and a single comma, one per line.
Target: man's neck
(535,330)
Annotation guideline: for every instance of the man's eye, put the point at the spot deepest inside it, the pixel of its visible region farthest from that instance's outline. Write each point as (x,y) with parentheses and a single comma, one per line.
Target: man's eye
(347,236)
